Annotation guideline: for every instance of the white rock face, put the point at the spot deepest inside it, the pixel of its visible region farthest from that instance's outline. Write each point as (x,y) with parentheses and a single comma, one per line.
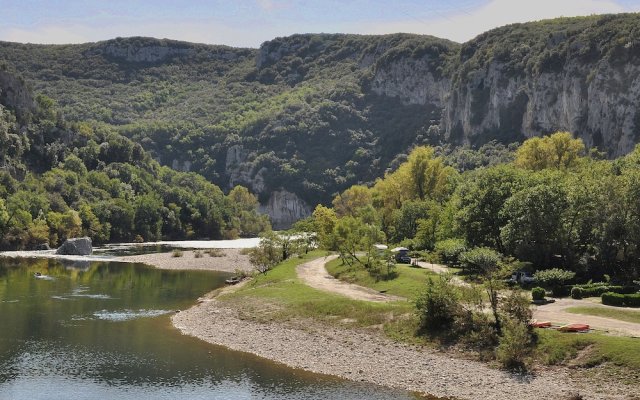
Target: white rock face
(133,53)
(600,103)
(285,208)
(411,81)
(242,172)
(184,166)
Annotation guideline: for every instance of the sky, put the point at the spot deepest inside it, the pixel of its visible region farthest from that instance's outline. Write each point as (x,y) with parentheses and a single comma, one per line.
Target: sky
(248,23)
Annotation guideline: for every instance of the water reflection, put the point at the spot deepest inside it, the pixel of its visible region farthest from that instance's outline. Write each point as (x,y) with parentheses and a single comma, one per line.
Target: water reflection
(103,333)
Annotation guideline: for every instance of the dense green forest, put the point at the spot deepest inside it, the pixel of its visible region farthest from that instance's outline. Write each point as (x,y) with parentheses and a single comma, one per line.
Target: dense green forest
(552,206)
(315,114)
(62,179)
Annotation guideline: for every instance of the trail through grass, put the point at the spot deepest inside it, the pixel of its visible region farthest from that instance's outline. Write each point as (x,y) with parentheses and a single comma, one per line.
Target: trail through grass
(406,281)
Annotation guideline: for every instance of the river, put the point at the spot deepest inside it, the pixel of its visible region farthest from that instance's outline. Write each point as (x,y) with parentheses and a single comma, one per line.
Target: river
(103,332)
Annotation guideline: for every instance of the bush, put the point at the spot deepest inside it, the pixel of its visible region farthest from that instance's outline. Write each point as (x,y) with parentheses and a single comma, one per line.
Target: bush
(176,253)
(555,278)
(577,293)
(517,307)
(215,252)
(538,293)
(438,305)
(597,289)
(515,345)
(621,300)
(449,250)
(197,254)
(479,260)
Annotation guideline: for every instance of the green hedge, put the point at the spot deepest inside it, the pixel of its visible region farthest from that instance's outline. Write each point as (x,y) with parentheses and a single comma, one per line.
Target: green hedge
(621,300)
(537,293)
(582,291)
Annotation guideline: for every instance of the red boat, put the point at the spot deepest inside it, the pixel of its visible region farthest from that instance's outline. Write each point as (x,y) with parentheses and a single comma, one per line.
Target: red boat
(545,324)
(574,328)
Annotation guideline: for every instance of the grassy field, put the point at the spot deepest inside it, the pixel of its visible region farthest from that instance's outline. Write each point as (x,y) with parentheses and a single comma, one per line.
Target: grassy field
(280,295)
(591,349)
(622,315)
(407,281)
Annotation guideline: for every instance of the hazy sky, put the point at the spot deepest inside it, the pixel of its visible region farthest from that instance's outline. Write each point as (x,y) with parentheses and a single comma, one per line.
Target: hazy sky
(248,23)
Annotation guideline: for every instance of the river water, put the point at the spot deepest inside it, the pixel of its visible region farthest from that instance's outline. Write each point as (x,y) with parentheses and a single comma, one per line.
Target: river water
(103,332)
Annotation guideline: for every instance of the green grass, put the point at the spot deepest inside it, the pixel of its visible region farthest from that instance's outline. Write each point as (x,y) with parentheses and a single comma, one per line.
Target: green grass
(408,281)
(557,347)
(280,295)
(622,315)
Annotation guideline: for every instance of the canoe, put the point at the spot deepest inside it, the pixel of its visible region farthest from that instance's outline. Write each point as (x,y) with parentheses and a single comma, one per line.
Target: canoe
(233,281)
(544,324)
(574,328)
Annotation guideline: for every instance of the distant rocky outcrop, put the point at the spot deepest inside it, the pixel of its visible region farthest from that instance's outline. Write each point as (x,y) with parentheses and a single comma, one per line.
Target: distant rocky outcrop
(76,247)
(15,95)
(285,208)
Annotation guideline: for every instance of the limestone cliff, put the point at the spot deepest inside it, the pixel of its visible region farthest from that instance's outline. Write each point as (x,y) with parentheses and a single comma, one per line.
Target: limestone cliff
(531,79)
(284,208)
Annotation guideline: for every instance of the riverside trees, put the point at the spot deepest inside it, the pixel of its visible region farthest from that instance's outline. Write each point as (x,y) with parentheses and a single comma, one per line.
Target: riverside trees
(61,179)
(554,206)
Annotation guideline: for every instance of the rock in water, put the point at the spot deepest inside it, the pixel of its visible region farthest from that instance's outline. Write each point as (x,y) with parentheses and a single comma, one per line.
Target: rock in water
(76,246)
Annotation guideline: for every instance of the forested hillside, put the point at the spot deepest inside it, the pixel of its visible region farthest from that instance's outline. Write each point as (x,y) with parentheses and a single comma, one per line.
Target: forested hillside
(306,116)
(61,179)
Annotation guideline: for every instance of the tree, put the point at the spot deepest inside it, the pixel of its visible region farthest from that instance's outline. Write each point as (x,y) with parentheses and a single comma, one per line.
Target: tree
(268,253)
(482,196)
(351,237)
(534,231)
(428,176)
(147,220)
(352,200)
(559,151)
(324,220)
(479,260)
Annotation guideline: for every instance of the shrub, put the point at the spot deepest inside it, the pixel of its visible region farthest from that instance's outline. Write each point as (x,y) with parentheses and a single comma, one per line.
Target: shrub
(517,307)
(197,254)
(215,252)
(598,288)
(515,345)
(577,293)
(176,253)
(621,300)
(438,305)
(479,260)
(555,278)
(537,293)
(449,250)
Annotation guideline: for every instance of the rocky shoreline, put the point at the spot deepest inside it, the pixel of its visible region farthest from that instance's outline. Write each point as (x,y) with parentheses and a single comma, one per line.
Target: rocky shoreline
(370,357)
(364,355)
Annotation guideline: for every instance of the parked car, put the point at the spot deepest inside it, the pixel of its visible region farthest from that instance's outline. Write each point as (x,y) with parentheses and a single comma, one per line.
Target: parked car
(402,255)
(522,277)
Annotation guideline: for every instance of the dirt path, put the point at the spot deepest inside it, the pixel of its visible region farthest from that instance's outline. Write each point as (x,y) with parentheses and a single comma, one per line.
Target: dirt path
(555,312)
(441,269)
(315,275)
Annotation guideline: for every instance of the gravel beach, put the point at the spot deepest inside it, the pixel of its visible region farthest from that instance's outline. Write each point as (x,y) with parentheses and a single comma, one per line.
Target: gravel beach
(231,261)
(369,357)
(364,355)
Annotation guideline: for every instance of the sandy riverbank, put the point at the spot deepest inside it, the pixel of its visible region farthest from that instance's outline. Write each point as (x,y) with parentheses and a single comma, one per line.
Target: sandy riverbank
(231,261)
(370,357)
